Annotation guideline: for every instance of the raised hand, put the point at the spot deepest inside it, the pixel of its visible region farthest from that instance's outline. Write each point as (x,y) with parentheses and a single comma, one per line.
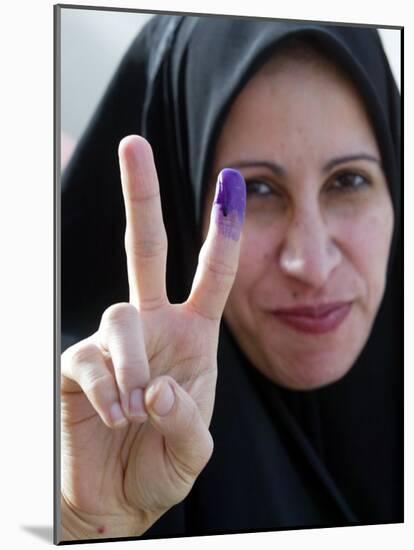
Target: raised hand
(137,396)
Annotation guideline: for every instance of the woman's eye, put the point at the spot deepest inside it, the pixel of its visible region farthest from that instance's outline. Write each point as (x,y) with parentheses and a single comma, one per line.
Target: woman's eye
(258,187)
(349,181)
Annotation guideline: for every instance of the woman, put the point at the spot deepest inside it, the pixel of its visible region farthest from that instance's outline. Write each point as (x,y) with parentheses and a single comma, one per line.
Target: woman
(306,414)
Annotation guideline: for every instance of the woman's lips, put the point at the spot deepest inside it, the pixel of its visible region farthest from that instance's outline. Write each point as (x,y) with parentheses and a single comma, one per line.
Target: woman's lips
(316,319)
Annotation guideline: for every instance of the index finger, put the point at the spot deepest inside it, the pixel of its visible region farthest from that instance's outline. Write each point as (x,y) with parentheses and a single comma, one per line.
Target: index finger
(145,236)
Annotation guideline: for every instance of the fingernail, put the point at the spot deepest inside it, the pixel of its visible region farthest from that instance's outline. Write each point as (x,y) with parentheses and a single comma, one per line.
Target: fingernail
(136,403)
(231,201)
(117,416)
(160,398)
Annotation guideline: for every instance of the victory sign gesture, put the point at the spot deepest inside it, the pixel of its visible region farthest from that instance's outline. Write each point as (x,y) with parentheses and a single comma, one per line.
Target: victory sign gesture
(137,396)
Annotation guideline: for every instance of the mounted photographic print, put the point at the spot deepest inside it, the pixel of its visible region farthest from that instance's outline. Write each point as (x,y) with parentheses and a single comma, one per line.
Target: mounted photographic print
(229,310)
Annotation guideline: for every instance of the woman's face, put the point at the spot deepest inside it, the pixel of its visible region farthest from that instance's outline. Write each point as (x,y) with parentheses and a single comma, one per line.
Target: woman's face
(318,226)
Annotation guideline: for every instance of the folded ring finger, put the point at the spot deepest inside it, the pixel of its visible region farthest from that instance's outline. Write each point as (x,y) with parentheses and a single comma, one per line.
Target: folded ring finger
(120,334)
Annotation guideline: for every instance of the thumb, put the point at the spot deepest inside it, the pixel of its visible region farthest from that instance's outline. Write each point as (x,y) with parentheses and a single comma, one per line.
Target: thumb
(175,415)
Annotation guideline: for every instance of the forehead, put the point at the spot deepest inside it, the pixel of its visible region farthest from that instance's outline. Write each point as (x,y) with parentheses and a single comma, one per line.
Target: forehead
(297,100)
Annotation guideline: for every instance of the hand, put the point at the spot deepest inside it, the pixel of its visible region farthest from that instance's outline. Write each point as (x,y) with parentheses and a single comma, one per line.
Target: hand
(137,396)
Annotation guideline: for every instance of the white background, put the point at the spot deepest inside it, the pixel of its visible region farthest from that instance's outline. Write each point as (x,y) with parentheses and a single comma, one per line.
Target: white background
(26,289)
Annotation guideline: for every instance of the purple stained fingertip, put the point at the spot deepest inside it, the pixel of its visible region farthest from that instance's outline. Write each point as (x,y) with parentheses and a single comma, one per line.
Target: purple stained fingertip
(231,200)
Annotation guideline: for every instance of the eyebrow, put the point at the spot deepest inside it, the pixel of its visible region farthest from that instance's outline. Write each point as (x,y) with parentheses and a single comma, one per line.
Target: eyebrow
(279,170)
(349,158)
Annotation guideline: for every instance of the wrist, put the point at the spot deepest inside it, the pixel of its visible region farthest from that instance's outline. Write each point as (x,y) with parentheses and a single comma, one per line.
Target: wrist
(79,526)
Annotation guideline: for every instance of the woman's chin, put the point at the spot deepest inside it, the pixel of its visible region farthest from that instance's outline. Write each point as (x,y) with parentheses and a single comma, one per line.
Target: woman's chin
(308,374)
(313,380)
(312,362)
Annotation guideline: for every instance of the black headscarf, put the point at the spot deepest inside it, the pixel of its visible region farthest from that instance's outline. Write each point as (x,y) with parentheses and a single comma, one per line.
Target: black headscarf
(332,456)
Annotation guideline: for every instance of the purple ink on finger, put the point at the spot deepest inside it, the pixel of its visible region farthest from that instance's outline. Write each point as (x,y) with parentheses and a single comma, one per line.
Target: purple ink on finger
(230,201)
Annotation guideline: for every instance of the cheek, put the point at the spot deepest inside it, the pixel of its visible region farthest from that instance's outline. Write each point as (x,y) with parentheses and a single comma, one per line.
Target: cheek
(365,239)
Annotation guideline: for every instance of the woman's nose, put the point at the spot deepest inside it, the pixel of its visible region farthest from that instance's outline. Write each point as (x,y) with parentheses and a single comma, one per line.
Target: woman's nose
(308,252)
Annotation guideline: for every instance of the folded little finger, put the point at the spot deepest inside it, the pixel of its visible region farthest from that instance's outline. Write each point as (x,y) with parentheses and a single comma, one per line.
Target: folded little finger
(84,364)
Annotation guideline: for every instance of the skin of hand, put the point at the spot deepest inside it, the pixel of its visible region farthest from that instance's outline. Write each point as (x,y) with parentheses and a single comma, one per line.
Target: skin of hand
(137,396)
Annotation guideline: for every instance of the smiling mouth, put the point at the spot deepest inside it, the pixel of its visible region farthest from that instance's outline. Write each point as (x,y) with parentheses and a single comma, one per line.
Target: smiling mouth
(317,319)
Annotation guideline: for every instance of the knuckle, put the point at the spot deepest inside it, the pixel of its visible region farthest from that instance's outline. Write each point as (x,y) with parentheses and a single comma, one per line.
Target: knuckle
(218,268)
(84,353)
(127,373)
(97,383)
(123,312)
(148,303)
(85,365)
(147,248)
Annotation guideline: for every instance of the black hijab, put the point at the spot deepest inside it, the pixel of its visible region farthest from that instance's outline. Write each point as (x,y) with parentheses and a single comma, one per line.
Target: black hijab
(282,458)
